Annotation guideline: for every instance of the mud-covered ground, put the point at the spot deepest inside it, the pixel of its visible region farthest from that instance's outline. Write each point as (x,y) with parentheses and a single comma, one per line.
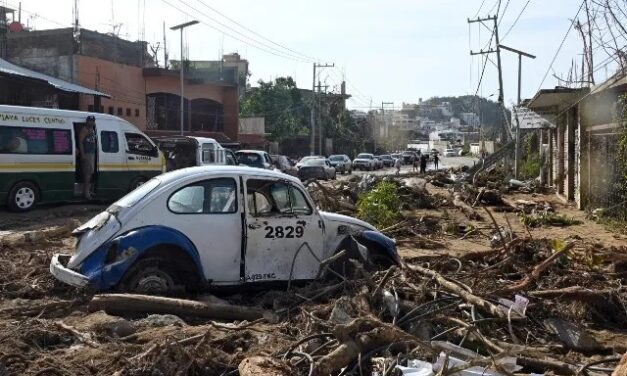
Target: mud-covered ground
(342,324)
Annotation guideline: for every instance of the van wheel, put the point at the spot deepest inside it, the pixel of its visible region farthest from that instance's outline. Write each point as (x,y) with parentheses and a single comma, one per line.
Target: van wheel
(151,276)
(136,183)
(23,197)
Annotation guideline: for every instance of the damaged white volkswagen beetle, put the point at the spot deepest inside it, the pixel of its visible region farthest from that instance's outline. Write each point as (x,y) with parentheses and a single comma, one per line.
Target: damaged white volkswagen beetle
(213,226)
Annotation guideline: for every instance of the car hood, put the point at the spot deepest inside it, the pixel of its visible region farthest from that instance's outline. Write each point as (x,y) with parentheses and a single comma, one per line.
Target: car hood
(363,160)
(93,234)
(344,219)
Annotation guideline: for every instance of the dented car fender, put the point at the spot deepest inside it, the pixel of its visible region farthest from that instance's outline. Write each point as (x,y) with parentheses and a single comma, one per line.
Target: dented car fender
(106,266)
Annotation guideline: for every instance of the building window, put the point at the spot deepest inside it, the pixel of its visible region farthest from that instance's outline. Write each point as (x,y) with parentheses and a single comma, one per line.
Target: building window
(128,111)
(111,110)
(137,112)
(120,111)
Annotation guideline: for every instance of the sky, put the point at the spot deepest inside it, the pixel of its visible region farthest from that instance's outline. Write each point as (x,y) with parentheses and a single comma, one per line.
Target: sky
(387,51)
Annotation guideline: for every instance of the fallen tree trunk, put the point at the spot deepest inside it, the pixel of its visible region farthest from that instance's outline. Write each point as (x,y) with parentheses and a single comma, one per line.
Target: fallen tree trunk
(459,291)
(465,208)
(621,368)
(359,337)
(572,292)
(535,273)
(123,304)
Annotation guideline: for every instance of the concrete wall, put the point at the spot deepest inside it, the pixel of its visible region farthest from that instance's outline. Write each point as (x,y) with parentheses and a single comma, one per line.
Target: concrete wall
(125,84)
(252,125)
(172,84)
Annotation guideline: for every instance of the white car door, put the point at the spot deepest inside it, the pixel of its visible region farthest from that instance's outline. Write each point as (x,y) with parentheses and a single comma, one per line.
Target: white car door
(209,214)
(283,229)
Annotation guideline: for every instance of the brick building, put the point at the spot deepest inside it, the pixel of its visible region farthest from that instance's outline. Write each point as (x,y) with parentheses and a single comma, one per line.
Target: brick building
(141,93)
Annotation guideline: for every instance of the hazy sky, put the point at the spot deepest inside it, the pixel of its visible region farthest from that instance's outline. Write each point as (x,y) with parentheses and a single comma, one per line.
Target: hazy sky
(394,51)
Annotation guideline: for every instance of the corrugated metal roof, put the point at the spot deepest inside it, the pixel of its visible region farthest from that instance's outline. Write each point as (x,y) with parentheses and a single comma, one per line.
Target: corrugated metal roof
(15,70)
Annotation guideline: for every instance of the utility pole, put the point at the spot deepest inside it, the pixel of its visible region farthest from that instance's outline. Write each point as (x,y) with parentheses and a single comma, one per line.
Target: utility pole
(497,51)
(383,104)
(312,140)
(165,49)
(517,150)
(181,68)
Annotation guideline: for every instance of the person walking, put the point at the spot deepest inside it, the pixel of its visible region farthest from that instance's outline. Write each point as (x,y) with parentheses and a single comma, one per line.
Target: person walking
(436,160)
(397,164)
(414,163)
(87,152)
(423,164)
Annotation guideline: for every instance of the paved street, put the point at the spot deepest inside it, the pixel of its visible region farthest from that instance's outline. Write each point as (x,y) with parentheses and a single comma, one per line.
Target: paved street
(445,163)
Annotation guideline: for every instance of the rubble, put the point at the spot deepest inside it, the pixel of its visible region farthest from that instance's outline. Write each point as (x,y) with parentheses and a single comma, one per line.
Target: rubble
(537,301)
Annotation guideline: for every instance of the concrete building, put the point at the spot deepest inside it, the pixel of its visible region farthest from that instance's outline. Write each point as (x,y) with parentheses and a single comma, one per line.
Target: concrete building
(252,133)
(470,118)
(141,93)
(581,138)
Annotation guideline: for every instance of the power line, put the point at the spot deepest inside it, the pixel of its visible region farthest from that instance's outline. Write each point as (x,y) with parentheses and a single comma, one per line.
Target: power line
(516,20)
(234,37)
(561,45)
(479,10)
(241,34)
(256,33)
(503,14)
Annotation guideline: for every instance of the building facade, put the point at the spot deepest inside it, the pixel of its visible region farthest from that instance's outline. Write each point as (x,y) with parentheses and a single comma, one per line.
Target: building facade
(145,95)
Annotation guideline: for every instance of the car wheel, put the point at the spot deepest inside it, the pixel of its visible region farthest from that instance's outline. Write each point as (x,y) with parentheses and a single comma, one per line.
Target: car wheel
(23,196)
(151,276)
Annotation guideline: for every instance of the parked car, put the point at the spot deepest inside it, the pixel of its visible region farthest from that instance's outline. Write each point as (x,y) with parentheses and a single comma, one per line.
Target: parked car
(283,164)
(364,161)
(388,161)
(396,156)
(378,162)
(185,230)
(188,151)
(450,153)
(300,163)
(409,157)
(317,169)
(342,163)
(254,158)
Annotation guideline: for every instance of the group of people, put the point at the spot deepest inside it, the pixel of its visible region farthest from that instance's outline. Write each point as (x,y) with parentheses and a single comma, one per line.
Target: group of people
(421,162)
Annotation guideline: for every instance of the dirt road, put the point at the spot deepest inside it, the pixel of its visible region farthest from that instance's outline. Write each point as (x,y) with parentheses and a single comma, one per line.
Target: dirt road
(46,329)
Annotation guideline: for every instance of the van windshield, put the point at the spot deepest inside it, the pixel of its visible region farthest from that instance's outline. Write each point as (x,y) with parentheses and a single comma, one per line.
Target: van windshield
(138,193)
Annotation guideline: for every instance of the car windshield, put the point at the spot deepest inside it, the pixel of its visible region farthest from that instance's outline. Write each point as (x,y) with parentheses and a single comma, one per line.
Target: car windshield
(407,153)
(365,156)
(386,157)
(138,193)
(336,158)
(315,162)
(250,159)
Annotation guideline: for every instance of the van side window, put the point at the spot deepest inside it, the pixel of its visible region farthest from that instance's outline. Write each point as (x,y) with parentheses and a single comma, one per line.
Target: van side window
(109,142)
(208,153)
(138,144)
(27,140)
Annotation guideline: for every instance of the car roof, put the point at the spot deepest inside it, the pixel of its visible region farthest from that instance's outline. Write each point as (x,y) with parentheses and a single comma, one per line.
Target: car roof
(213,170)
(251,151)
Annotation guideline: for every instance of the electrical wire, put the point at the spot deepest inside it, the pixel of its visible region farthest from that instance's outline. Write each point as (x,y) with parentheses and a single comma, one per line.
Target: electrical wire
(516,20)
(231,36)
(256,33)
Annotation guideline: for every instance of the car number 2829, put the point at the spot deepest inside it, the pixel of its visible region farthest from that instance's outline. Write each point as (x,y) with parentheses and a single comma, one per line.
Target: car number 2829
(288,232)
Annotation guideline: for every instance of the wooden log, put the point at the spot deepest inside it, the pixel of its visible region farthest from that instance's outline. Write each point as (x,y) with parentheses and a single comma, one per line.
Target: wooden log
(571,292)
(263,365)
(465,208)
(459,291)
(621,368)
(359,337)
(535,272)
(125,304)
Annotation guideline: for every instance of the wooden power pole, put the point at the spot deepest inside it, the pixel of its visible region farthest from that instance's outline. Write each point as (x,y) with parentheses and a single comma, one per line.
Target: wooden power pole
(312,139)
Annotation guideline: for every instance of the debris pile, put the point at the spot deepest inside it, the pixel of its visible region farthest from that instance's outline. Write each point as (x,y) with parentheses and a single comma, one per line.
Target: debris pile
(530,304)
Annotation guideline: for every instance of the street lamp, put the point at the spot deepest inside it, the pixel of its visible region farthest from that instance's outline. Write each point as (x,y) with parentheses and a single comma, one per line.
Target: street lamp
(181,27)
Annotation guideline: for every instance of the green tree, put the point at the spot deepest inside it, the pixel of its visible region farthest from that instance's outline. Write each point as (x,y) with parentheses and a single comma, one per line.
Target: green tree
(281,104)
